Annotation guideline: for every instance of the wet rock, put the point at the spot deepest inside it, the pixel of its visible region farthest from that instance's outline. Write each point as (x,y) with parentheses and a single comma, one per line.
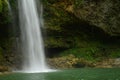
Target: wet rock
(116,62)
(69,62)
(63,62)
(4,69)
(104,14)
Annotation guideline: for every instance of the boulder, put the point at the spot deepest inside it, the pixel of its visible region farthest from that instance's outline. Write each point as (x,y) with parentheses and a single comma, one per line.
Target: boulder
(4,69)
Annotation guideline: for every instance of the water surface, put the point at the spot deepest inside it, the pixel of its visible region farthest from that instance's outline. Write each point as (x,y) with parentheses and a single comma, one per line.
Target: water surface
(73,74)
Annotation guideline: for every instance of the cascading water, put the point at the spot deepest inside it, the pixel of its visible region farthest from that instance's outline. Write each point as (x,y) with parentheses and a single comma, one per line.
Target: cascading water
(32,42)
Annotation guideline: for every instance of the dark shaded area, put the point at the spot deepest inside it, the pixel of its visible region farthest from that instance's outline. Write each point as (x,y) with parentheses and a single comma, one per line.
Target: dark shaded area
(74,34)
(84,28)
(4,32)
(92,33)
(53,52)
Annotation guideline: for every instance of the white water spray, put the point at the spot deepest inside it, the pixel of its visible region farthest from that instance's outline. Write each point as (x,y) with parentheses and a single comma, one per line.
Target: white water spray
(32,42)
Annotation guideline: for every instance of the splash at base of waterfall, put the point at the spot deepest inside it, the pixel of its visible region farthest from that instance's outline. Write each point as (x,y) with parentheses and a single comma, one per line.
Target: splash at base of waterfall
(43,71)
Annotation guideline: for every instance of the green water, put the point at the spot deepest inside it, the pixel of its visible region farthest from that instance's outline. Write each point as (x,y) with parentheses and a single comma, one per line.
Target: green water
(73,74)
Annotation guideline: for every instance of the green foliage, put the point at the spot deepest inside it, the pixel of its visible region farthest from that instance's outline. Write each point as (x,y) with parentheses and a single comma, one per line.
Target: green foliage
(79,3)
(3,5)
(93,53)
(115,53)
(0,5)
(86,53)
(56,18)
(4,15)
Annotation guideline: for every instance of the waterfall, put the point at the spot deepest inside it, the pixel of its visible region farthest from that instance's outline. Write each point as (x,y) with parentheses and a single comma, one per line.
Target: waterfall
(31,37)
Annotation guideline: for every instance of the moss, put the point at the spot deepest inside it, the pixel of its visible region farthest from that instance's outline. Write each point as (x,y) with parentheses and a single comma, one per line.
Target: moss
(56,18)
(78,3)
(4,15)
(103,14)
(94,51)
(55,21)
(0,5)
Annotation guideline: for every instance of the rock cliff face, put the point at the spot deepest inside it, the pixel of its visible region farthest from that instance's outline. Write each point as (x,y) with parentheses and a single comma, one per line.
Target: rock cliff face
(6,35)
(100,13)
(66,19)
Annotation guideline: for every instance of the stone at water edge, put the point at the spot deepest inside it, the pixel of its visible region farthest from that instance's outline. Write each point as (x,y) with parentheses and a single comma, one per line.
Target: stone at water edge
(4,69)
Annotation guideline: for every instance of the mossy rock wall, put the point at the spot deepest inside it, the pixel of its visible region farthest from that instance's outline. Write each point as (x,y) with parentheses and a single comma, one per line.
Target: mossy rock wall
(101,13)
(69,21)
(7,39)
(83,24)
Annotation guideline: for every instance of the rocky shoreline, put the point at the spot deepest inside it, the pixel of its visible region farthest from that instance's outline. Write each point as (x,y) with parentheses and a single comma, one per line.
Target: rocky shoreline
(4,70)
(73,62)
(67,62)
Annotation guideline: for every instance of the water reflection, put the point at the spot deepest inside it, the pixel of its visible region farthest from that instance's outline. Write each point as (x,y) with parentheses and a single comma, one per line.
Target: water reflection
(34,77)
(73,74)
